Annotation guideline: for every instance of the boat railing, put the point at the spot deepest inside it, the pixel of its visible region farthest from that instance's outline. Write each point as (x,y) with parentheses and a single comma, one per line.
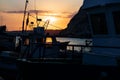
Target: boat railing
(69,49)
(85,46)
(87,49)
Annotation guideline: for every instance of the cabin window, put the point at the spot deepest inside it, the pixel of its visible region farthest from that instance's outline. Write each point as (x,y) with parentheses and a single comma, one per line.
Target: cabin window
(116,17)
(48,40)
(98,22)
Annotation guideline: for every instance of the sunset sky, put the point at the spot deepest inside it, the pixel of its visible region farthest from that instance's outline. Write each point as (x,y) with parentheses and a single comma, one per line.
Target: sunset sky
(59,12)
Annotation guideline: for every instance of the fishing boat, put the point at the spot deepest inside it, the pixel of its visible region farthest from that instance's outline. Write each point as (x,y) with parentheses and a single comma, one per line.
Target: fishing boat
(34,44)
(98,64)
(38,60)
(104,22)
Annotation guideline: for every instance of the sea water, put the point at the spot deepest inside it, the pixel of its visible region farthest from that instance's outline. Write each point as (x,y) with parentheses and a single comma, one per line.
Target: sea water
(74,41)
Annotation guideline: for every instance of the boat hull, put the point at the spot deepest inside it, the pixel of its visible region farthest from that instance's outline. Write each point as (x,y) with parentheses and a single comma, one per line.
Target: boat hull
(54,70)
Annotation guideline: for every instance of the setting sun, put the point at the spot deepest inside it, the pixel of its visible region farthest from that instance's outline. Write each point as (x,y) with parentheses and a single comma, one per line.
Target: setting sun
(51,19)
(58,13)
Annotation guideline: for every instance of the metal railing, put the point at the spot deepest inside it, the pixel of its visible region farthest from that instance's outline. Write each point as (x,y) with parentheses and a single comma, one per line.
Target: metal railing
(69,49)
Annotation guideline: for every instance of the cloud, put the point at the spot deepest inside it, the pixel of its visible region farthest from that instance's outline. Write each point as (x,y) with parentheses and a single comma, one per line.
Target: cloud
(40,11)
(62,14)
(45,13)
(71,15)
(13,12)
(30,11)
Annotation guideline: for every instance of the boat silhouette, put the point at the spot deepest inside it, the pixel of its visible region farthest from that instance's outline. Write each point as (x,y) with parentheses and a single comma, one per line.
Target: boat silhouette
(37,59)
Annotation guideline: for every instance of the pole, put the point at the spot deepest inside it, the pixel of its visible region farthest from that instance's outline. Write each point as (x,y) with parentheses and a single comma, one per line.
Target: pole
(24,15)
(27,22)
(1,20)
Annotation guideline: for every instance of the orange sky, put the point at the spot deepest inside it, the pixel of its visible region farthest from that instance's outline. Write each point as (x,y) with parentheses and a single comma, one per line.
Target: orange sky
(59,12)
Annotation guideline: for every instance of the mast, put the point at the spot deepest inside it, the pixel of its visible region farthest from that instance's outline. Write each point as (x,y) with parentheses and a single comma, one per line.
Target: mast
(24,15)
(1,20)
(27,21)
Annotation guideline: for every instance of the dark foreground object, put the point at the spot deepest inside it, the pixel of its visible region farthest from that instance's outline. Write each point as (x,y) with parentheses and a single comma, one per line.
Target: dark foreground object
(8,74)
(61,70)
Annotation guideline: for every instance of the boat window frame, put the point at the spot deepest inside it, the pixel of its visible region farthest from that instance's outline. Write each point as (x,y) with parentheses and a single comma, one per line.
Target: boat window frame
(49,40)
(101,29)
(116,20)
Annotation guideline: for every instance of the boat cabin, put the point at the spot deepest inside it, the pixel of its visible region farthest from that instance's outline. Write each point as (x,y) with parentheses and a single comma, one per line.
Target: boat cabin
(104,21)
(38,44)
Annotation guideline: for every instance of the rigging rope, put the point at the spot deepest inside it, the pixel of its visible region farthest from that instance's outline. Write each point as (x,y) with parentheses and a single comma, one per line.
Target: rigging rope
(48,24)
(36,17)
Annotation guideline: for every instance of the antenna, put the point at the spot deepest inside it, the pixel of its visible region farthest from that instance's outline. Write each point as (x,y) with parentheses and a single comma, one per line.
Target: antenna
(58,27)
(1,20)
(24,15)
(27,21)
(36,13)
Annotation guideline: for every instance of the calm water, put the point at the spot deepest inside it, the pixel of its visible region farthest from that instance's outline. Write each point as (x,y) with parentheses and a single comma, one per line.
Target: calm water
(73,41)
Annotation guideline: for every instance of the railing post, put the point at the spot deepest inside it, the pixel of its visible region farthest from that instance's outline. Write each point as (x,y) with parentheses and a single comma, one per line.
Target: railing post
(81,51)
(72,48)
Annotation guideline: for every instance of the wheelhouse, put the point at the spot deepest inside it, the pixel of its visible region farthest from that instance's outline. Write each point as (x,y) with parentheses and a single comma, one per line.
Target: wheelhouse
(104,21)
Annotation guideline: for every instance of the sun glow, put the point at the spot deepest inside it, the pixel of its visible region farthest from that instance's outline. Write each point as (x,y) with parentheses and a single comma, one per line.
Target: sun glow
(51,19)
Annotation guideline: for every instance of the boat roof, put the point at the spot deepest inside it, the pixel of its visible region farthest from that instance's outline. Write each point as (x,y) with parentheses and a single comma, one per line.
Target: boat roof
(94,3)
